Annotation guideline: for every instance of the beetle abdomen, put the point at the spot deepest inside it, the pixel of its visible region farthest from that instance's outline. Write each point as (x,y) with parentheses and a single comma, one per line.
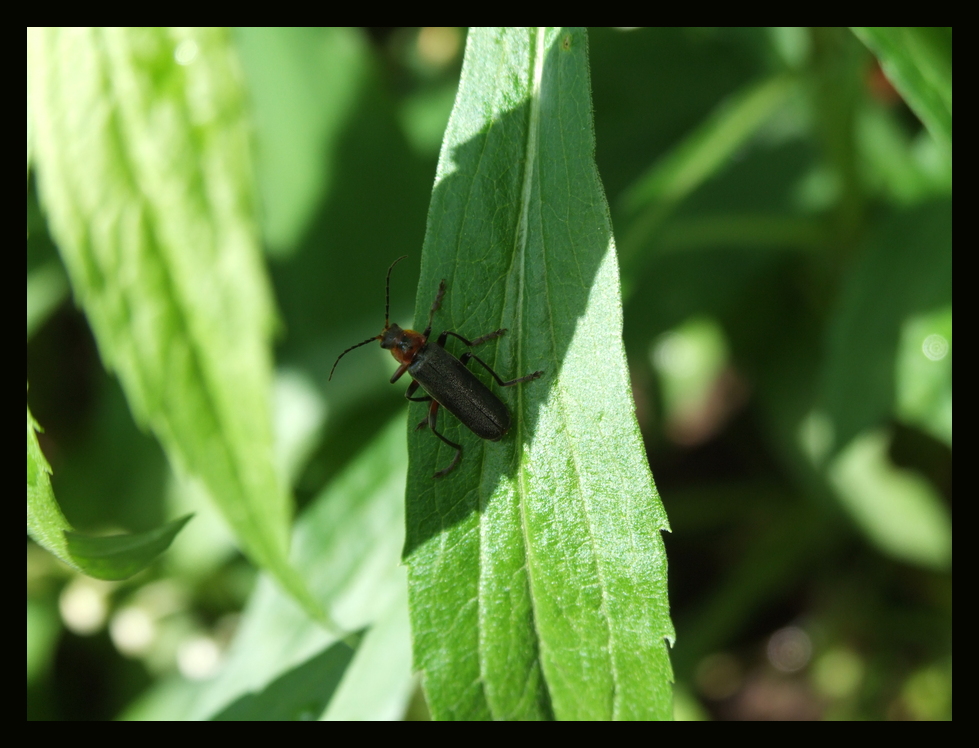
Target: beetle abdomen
(457,389)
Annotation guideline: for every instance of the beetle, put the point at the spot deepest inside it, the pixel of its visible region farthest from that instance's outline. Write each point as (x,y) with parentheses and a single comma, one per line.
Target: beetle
(446,379)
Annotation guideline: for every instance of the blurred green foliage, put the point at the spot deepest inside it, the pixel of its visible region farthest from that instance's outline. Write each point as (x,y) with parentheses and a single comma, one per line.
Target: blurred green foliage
(781,201)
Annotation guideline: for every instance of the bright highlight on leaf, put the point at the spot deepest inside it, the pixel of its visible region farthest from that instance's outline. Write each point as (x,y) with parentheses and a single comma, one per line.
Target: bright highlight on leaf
(900,512)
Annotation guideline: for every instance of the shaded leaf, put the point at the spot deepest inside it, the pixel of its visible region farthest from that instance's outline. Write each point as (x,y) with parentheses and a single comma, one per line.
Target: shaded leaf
(299,126)
(47,287)
(121,556)
(298,694)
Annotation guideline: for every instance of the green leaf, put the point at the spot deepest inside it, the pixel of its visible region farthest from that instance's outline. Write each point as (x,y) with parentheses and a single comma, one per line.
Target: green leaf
(701,154)
(297,695)
(121,556)
(349,539)
(918,61)
(899,511)
(924,373)
(299,127)
(43,634)
(379,681)
(141,145)
(47,287)
(537,574)
(114,557)
(905,270)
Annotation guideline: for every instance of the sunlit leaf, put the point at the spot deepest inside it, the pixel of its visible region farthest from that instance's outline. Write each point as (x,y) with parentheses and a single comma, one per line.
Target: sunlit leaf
(142,153)
(379,681)
(899,512)
(537,571)
(924,373)
(349,541)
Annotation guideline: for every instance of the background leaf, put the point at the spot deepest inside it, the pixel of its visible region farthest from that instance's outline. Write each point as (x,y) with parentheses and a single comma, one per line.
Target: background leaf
(905,270)
(120,556)
(112,557)
(918,61)
(898,510)
(673,178)
(536,571)
(142,153)
(348,539)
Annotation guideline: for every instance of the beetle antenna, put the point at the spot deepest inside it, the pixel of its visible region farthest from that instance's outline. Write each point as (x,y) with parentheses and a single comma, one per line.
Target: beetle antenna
(387,296)
(369,340)
(387,318)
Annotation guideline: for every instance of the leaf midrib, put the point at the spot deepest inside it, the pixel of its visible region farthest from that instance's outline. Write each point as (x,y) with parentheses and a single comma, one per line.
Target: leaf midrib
(520,244)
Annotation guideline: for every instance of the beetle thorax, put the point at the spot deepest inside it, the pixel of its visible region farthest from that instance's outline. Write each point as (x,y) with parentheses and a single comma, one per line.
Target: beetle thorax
(403,344)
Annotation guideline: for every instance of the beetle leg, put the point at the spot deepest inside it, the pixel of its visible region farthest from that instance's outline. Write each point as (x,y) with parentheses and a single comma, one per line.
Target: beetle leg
(464,358)
(412,388)
(471,343)
(430,422)
(435,306)
(488,336)
(399,373)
